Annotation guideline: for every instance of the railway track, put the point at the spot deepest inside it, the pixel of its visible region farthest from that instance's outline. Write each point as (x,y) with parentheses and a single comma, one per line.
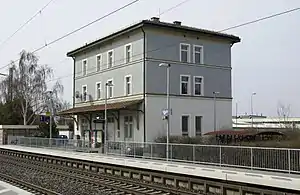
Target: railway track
(26,186)
(105,183)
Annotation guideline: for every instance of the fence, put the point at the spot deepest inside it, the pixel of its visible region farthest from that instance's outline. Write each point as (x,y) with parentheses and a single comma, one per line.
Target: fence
(59,144)
(272,159)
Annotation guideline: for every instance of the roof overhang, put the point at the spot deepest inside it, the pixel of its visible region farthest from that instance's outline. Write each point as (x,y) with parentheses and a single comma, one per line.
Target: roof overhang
(97,108)
(231,38)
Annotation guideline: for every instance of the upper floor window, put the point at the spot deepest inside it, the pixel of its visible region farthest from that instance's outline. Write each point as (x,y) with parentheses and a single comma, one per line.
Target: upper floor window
(185,125)
(110,88)
(128,85)
(128,53)
(84,93)
(198,85)
(110,58)
(184,84)
(198,54)
(198,125)
(84,67)
(98,90)
(98,62)
(185,52)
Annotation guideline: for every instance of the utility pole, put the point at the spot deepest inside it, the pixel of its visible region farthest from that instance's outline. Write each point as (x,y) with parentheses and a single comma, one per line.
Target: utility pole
(253,94)
(10,80)
(51,116)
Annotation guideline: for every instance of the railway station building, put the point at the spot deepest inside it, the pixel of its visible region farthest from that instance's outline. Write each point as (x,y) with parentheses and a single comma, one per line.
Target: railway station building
(130,68)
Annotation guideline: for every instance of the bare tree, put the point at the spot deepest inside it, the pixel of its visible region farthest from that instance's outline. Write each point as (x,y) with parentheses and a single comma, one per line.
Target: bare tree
(29,84)
(284,112)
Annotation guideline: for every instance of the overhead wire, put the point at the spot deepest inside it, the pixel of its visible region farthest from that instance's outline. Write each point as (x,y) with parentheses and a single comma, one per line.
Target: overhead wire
(175,44)
(76,30)
(27,22)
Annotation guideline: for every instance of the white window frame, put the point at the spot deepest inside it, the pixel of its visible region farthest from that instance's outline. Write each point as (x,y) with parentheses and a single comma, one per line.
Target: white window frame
(98,68)
(202,85)
(200,124)
(189,123)
(112,60)
(189,84)
(188,52)
(125,53)
(96,90)
(201,54)
(107,88)
(86,68)
(125,85)
(82,92)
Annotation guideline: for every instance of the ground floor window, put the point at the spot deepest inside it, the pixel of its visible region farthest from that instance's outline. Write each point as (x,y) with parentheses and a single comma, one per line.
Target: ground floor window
(185,125)
(128,126)
(198,125)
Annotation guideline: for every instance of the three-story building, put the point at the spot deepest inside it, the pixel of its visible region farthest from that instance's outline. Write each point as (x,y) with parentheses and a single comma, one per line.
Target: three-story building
(125,67)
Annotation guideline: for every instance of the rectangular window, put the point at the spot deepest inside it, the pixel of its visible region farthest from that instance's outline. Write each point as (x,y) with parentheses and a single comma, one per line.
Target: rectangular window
(185,125)
(128,126)
(84,67)
(184,52)
(198,85)
(198,125)
(184,84)
(98,62)
(84,93)
(98,90)
(110,59)
(128,85)
(198,54)
(110,89)
(128,53)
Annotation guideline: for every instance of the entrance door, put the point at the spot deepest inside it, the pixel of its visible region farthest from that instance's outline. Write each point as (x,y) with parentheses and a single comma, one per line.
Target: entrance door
(128,128)
(111,129)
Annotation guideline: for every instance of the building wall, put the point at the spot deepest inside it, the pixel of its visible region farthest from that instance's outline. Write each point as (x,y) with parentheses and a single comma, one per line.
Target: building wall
(119,70)
(138,126)
(185,106)
(216,69)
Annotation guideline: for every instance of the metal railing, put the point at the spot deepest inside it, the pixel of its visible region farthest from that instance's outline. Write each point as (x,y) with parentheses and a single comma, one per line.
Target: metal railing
(58,144)
(255,158)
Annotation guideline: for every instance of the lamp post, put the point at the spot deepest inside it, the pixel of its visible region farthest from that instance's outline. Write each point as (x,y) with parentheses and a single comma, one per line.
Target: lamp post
(50,100)
(105,113)
(253,94)
(215,112)
(168,105)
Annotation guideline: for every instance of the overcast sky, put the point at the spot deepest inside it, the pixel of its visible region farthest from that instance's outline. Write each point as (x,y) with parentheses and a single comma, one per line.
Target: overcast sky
(266,61)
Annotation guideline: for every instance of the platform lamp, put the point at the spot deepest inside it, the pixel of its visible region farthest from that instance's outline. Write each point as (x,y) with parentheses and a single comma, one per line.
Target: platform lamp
(215,93)
(253,94)
(107,84)
(168,105)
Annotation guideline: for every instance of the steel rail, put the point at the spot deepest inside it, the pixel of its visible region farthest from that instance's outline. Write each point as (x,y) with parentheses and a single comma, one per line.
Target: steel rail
(106,181)
(26,186)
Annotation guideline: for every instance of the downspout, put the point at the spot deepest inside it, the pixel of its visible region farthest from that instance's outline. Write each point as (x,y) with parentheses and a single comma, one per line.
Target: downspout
(144,81)
(73,81)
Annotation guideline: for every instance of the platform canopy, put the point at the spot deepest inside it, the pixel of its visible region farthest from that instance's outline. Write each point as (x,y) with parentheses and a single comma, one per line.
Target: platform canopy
(95,108)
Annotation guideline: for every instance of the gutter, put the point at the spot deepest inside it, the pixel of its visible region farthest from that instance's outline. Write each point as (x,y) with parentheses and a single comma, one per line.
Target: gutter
(144,81)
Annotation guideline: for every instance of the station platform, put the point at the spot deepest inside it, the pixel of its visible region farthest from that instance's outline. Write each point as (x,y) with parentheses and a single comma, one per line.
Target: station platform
(262,178)
(7,189)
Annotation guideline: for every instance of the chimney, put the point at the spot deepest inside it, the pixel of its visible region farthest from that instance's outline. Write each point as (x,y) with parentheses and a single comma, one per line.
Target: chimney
(155,19)
(177,23)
